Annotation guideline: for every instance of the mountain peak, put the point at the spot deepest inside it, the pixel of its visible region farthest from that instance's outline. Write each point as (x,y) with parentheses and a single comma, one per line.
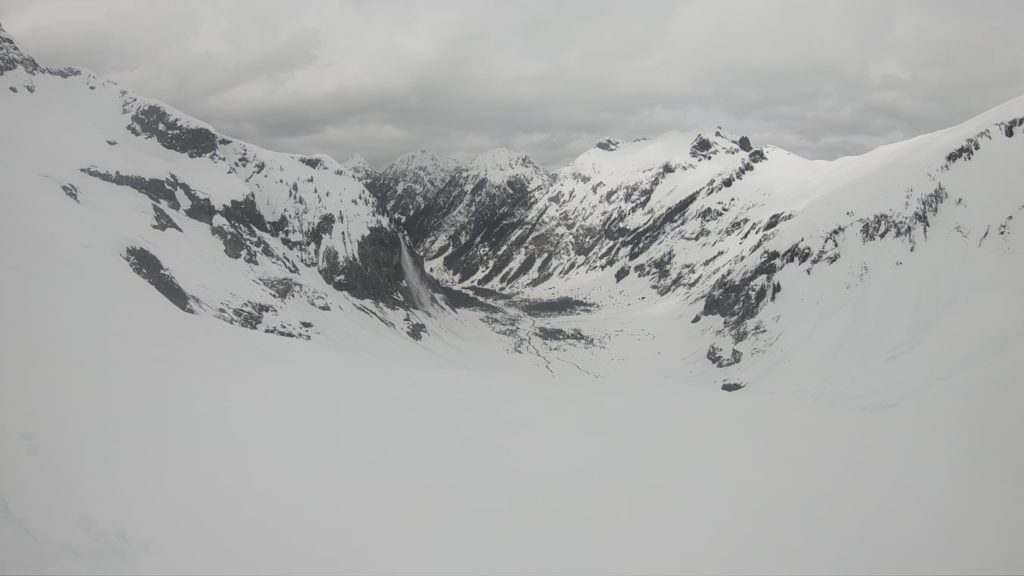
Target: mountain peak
(414,177)
(500,163)
(355,159)
(358,167)
(423,159)
(13,56)
(356,163)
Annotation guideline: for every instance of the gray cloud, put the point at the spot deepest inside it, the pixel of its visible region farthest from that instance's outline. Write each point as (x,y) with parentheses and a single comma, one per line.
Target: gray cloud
(822,79)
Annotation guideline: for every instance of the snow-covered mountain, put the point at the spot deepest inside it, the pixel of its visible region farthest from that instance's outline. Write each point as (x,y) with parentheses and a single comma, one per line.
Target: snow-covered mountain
(256,238)
(752,242)
(412,180)
(507,369)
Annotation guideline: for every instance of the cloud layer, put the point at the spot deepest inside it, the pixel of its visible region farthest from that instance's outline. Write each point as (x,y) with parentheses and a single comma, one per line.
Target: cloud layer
(822,79)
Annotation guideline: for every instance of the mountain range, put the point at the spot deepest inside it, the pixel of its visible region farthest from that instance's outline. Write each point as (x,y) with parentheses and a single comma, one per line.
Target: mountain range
(171,288)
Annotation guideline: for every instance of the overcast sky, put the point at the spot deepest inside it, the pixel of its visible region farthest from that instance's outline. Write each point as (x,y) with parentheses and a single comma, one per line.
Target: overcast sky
(822,79)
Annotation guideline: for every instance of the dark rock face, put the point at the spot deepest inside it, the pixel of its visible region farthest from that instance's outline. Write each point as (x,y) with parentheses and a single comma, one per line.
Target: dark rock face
(200,208)
(245,213)
(152,121)
(148,267)
(739,299)
(701,148)
(282,287)
(756,156)
(733,386)
(773,221)
(477,216)
(12,57)
(966,151)
(250,314)
(285,288)
(7,64)
(162,220)
(879,226)
(323,227)
(376,274)
(1009,126)
(732,178)
(557,307)
(234,245)
(71,191)
(458,299)
(658,271)
(253,315)
(314,163)
(744,144)
(330,268)
(491,231)
(415,330)
(716,356)
(608,145)
(287,331)
(642,239)
(243,238)
(560,335)
(243,241)
(524,267)
(154,189)
(241,234)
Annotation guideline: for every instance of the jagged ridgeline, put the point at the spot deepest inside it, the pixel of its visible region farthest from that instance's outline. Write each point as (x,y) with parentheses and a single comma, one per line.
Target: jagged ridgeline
(503,222)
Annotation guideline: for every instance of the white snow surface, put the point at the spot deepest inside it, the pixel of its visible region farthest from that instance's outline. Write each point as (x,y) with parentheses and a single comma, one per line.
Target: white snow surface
(879,430)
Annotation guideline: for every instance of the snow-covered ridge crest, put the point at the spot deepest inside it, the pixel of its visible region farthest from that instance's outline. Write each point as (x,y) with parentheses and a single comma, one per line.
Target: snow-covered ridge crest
(358,167)
(14,57)
(425,160)
(501,163)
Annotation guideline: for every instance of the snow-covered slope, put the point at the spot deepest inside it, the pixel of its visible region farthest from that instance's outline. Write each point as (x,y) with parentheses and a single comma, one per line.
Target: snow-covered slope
(557,407)
(264,240)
